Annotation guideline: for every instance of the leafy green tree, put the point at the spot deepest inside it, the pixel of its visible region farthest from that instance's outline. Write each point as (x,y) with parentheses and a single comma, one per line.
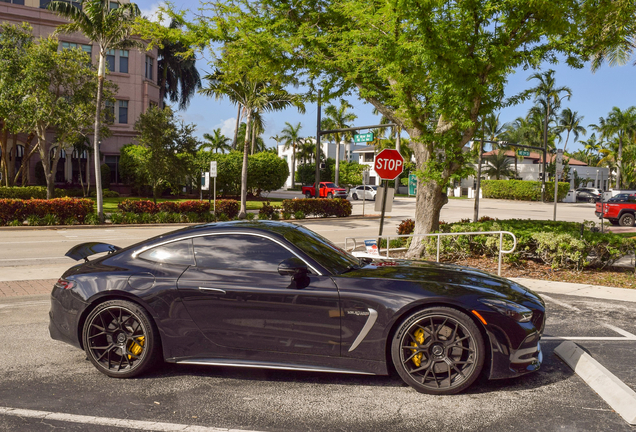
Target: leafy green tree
(162,157)
(339,118)
(351,173)
(619,124)
(570,121)
(252,96)
(291,136)
(498,165)
(267,172)
(433,67)
(110,28)
(217,142)
(179,78)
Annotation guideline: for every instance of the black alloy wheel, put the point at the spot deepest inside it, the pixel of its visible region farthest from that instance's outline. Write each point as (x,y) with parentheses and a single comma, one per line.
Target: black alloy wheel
(626,220)
(355,197)
(438,351)
(120,339)
(592,200)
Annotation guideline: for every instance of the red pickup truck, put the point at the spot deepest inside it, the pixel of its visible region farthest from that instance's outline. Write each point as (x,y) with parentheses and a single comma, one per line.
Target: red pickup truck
(327,190)
(618,210)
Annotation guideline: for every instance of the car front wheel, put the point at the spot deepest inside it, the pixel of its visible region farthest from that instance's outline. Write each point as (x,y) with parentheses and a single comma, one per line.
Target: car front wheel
(354,196)
(438,351)
(120,339)
(329,195)
(626,220)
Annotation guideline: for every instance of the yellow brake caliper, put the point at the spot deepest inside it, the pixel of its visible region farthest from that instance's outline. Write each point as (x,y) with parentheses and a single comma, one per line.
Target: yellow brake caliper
(136,347)
(419,337)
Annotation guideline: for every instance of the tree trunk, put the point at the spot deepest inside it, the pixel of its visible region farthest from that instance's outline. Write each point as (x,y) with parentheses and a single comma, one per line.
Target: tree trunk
(337,174)
(48,166)
(13,153)
(253,136)
(24,167)
(88,174)
(98,114)
(243,211)
(619,162)
(429,202)
(4,147)
(236,128)
(293,166)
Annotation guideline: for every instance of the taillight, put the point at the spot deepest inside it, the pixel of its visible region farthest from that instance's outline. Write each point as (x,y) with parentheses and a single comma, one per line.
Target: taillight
(65,284)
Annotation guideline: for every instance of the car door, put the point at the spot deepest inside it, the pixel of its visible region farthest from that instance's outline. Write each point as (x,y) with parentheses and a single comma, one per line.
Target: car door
(238,299)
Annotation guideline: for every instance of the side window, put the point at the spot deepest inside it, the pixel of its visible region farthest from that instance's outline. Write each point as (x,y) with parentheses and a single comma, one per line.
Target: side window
(239,251)
(179,252)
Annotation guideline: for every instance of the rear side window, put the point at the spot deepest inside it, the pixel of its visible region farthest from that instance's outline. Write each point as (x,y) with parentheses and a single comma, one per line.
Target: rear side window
(179,252)
(239,251)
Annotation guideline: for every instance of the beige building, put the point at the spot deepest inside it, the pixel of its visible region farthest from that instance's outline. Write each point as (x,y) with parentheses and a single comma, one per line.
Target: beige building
(134,72)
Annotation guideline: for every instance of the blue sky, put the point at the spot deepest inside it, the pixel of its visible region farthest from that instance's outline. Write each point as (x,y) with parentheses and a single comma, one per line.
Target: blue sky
(593,96)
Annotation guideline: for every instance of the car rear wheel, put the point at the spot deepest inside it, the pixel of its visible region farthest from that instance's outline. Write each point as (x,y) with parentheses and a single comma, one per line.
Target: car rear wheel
(438,351)
(120,339)
(626,220)
(308,195)
(355,197)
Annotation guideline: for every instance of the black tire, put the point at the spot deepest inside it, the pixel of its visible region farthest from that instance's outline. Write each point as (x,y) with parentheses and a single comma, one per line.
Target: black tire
(329,195)
(438,351)
(308,195)
(592,200)
(355,197)
(120,339)
(626,220)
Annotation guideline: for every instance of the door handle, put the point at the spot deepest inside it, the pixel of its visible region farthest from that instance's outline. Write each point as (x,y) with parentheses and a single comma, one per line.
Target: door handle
(213,290)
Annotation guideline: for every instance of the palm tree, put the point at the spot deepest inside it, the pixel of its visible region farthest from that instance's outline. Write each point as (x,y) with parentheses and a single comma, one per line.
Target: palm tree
(591,148)
(549,96)
(291,135)
(338,118)
(622,125)
(216,142)
(498,165)
(570,121)
(252,96)
(178,76)
(306,150)
(109,29)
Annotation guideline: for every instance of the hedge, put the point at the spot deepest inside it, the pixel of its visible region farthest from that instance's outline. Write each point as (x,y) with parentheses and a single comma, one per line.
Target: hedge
(558,244)
(321,207)
(147,206)
(62,209)
(39,192)
(523,190)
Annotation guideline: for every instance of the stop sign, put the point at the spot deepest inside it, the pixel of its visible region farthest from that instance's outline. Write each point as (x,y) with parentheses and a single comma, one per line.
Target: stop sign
(388,164)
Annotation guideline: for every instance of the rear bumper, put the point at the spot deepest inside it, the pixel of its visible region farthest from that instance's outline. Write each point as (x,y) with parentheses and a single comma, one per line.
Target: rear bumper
(64,316)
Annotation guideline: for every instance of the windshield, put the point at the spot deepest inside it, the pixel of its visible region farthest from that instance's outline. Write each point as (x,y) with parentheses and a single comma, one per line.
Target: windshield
(330,185)
(333,258)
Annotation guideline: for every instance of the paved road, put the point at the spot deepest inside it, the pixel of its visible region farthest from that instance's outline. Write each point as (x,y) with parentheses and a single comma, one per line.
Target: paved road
(37,373)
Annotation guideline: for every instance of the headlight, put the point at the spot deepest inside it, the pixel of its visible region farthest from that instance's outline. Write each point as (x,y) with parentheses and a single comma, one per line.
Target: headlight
(513,310)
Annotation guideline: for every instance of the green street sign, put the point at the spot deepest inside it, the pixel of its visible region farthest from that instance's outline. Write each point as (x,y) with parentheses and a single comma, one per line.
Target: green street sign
(523,152)
(412,184)
(366,137)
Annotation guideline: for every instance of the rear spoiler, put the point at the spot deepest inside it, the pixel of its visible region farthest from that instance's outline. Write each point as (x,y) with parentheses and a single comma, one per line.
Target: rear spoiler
(85,250)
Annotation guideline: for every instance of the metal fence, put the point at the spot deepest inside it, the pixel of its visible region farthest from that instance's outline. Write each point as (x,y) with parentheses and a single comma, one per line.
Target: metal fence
(388,238)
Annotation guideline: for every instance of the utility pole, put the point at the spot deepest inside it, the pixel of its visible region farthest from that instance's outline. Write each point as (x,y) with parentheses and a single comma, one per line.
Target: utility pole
(317,177)
(478,188)
(545,147)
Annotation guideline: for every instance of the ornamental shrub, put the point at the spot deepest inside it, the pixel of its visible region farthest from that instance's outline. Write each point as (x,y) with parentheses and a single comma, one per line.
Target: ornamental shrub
(138,206)
(321,207)
(36,192)
(169,207)
(266,211)
(198,207)
(61,208)
(228,207)
(406,227)
(524,190)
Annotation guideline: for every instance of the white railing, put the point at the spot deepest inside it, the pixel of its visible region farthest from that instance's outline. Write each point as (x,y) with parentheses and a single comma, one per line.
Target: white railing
(439,236)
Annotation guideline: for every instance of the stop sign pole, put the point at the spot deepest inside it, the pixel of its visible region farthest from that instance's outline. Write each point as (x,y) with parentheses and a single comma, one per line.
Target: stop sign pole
(388,164)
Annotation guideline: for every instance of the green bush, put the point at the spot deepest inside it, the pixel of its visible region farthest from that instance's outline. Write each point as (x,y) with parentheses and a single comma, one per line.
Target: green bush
(321,207)
(36,192)
(60,208)
(117,217)
(299,215)
(266,211)
(558,244)
(523,190)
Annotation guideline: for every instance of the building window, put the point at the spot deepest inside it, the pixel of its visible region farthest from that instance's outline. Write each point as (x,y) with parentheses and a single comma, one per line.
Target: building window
(109,112)
(88,49)
(110,60)
(123,61)
(18,2)
(113,163)
(113,5)
(45,3)
(123,111)
(149,63)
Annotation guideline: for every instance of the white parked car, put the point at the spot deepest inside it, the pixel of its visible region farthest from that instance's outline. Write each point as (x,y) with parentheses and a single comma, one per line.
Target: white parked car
(363,192)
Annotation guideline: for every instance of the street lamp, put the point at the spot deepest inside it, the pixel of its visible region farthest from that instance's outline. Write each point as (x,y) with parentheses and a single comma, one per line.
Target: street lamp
(596,182)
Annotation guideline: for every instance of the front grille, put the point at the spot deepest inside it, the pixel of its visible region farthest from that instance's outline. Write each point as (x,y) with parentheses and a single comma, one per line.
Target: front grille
(538,319)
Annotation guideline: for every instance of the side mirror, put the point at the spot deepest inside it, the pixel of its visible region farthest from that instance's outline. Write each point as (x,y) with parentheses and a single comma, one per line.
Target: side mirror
(292,267)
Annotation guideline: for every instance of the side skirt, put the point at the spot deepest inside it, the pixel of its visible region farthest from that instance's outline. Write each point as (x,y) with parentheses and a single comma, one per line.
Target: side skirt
(267,365)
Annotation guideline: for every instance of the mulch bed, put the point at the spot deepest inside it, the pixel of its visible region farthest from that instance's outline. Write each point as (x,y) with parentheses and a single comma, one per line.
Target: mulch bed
(612,277)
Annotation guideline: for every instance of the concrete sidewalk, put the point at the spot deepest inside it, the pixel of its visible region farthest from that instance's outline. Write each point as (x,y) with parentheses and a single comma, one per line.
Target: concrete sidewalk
(44,286)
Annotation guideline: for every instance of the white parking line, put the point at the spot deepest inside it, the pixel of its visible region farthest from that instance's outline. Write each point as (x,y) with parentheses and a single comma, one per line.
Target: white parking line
(560,303)
(21,304)
(112,422)
(620,331)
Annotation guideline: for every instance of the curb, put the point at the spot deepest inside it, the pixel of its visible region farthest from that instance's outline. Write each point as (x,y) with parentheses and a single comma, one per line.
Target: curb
(614,392)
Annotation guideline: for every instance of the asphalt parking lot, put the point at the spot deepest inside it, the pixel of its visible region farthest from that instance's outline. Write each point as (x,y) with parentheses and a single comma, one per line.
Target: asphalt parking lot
(37,373)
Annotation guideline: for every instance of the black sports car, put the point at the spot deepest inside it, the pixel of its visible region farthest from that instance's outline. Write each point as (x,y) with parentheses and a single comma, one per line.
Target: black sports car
(277,295)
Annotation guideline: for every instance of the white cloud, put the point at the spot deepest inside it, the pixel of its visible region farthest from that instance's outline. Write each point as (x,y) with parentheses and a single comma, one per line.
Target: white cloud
(152,13)
(227,127)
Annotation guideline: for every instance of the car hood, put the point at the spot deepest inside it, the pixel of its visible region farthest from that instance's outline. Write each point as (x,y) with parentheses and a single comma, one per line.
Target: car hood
(446,275)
